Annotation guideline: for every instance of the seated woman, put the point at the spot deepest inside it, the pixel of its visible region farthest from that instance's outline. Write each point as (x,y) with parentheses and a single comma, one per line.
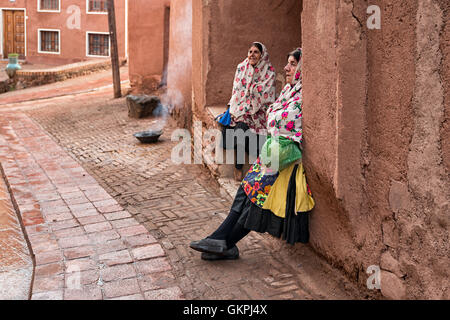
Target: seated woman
(271,198)
(253,93)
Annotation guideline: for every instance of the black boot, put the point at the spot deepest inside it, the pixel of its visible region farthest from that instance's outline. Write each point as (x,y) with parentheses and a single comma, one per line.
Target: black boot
(230,254)
(209,245)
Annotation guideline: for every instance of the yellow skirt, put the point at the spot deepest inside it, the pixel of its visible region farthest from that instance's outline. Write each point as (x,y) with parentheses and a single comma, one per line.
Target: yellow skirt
(276,200)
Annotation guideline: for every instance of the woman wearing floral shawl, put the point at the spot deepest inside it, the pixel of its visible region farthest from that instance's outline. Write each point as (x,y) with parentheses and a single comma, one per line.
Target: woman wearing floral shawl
(274,196)
(253,93)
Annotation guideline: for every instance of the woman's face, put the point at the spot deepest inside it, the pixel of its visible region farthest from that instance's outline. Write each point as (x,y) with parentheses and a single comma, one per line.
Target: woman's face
(254,55)
(290,69)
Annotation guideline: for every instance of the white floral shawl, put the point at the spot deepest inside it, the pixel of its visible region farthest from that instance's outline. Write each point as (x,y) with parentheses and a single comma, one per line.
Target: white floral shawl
(253,93)
(284,117)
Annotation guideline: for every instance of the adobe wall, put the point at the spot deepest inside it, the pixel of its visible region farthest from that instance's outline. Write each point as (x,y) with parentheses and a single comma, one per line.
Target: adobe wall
(444,47)
(331,223)
(200,18)
(146,43)
(223,31)
(179,73)
(376,122)
(73,40)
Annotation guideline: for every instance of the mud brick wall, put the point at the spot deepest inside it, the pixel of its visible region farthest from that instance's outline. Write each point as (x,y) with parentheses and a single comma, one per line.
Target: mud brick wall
(223,31)
(376,141)
(146,43)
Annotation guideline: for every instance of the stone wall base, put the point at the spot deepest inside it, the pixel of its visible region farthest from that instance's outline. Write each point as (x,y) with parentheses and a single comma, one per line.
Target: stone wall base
(32,78)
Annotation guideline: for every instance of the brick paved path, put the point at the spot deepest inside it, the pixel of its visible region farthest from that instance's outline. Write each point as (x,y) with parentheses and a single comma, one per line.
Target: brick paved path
(85,245)
(175,203)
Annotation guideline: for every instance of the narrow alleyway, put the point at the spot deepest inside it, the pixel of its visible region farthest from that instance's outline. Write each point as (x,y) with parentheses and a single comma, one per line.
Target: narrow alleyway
(175,203)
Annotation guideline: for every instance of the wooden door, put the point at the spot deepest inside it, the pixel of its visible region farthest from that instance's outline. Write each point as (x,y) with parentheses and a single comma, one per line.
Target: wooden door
(13,33)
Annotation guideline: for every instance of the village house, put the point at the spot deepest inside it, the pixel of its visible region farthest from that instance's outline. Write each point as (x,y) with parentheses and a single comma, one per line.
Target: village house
(373,106)
(55,32)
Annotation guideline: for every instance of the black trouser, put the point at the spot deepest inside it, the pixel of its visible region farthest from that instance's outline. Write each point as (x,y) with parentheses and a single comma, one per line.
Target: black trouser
(230,230)
(228,133)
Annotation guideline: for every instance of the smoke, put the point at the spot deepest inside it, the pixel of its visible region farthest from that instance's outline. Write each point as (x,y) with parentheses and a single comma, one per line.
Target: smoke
(166,106)
(179,70)
(161,111)
(172,98)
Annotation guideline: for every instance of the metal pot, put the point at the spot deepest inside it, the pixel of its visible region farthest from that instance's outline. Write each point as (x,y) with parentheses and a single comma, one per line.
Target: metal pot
(148,136)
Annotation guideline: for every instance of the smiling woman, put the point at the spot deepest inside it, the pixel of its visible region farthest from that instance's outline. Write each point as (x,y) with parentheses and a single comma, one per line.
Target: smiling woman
(253,92)
(254,53)
(253,89)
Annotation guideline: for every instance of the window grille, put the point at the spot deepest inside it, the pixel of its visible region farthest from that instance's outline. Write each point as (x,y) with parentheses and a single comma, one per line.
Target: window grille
(50,41)
(98,6)
(49,5)
(98,44)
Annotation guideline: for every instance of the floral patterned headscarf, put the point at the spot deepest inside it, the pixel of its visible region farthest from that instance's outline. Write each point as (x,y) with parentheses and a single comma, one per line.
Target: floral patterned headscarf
(253,92)
(284,117)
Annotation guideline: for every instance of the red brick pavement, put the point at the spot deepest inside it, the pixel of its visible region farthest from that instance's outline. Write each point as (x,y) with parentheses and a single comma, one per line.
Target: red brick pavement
(85,245)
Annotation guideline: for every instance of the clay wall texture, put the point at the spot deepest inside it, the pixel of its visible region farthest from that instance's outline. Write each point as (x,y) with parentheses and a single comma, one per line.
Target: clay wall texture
(223,32)
(161,49)
(72,41)
(179,70)
(376,126)
(146,43)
